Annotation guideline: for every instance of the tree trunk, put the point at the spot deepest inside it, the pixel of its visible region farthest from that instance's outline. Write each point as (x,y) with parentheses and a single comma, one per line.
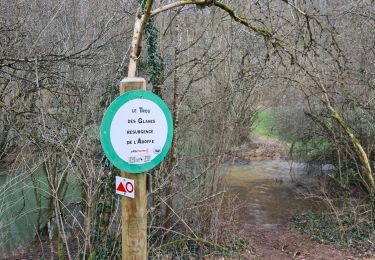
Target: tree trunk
(369,178)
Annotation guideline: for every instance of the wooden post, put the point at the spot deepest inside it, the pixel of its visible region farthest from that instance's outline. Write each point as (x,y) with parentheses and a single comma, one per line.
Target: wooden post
(134,211)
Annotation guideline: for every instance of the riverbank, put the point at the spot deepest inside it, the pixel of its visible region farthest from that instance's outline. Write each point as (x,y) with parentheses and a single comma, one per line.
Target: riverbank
(283,242)
(270,199)
(260,148)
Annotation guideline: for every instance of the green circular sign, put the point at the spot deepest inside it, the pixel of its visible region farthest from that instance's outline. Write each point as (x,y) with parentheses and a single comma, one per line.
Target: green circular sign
(136,131)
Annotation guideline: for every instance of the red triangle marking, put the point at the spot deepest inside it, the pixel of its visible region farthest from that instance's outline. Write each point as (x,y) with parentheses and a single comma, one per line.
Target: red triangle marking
(121,187)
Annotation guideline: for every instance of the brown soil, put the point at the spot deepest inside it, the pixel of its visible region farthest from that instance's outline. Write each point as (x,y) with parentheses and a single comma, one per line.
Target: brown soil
(260,148)
(279,242)
(40,250)
(282,242)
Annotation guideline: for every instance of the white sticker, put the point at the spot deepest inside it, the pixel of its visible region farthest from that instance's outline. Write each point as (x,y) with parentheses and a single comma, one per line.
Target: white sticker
(125,187)
(138,131)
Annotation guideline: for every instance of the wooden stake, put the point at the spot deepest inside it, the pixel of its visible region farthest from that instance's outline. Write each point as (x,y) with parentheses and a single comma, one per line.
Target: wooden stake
(134,211)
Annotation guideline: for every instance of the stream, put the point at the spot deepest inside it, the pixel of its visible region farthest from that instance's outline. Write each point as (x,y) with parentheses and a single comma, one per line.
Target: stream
(18,207)
(267,195)
(267,191)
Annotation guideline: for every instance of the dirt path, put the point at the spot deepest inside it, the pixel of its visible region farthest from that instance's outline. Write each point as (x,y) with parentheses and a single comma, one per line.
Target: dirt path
(278,241)
(261,148)
(281,242)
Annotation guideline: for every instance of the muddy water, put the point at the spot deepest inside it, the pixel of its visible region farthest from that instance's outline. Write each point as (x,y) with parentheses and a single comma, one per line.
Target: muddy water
(267,194)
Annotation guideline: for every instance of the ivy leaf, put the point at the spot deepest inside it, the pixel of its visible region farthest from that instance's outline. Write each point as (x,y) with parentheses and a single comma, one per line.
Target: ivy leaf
(201,6)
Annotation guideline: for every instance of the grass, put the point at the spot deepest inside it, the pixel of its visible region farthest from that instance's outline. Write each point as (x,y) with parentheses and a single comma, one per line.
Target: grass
(264,125)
